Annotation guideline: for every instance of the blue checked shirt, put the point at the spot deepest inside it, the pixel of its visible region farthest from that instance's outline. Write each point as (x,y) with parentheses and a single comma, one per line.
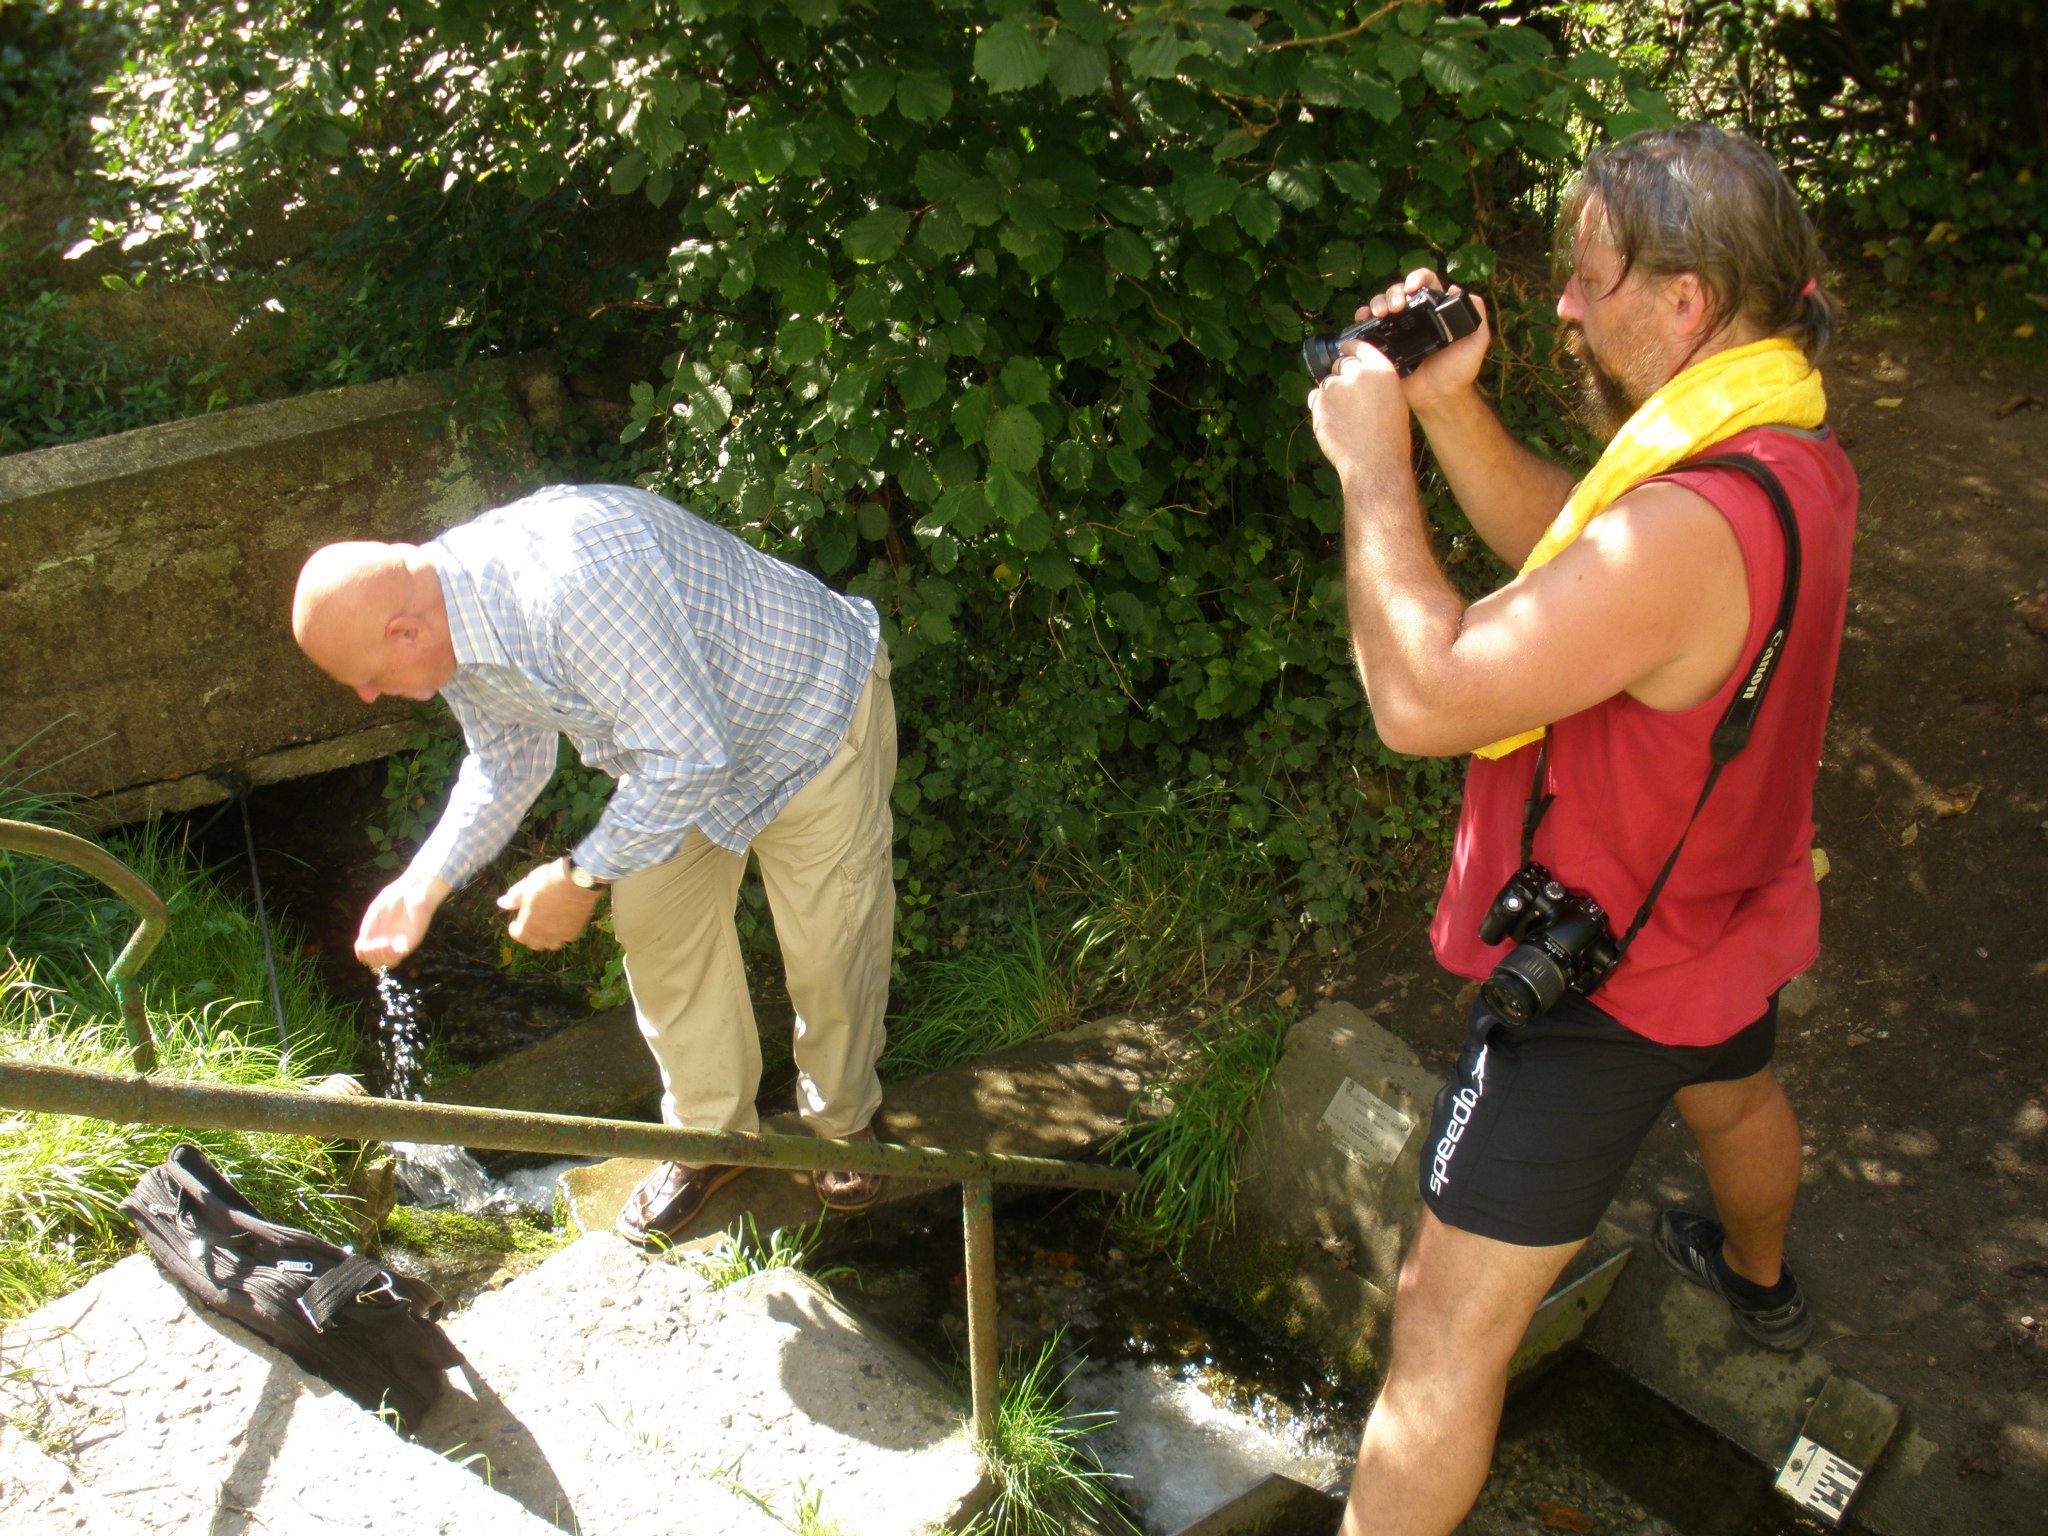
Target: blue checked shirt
(711,680)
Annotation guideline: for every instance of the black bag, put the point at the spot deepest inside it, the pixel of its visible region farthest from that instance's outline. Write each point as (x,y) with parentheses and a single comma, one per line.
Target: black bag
(352,1323)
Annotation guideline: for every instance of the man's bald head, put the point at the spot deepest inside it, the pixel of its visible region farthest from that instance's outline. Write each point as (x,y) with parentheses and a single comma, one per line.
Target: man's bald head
(371,616)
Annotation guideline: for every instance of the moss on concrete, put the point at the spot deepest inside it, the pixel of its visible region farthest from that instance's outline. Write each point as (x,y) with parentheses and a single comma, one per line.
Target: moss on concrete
(440,1236)
(1268,1282)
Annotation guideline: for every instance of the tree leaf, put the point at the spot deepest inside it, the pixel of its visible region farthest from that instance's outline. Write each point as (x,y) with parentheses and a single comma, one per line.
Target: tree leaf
(869,89)
(1025,382)
(1015,439)
(1257,214)
(799,341)
(877,236)
(1154,49)
(1010,56)
(923,95)
(970,413)
(1076,68)
(1009,498)
(919,382)
(1204,194)
(1127,253)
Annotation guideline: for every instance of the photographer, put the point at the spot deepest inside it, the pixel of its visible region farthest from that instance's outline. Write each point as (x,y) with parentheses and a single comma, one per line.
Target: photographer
(1596,690)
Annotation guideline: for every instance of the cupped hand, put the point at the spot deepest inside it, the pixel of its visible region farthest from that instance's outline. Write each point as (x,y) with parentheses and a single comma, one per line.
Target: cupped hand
(548,909)
(397,920)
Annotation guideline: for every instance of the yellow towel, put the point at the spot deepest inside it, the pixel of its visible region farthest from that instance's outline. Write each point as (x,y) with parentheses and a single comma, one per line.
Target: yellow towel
(1765,383)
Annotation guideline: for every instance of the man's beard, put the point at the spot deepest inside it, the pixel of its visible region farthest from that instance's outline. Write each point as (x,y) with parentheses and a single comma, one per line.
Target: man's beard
(1605,400)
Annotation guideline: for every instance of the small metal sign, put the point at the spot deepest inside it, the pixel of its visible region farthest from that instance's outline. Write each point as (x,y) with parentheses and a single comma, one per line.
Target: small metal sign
(1818,1480)
(1847,1420)
(1366,1128)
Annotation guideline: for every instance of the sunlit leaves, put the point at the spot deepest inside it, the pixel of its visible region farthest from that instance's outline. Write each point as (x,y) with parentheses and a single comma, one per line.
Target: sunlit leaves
(878,235)
(1010,56)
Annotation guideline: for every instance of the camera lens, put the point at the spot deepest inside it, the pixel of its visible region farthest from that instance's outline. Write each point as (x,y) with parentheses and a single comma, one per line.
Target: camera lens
(1320,353)
(1528,982)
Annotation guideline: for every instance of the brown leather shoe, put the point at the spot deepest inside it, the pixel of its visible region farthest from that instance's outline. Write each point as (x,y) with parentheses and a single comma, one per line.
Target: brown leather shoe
(669,1197)
(843,1191)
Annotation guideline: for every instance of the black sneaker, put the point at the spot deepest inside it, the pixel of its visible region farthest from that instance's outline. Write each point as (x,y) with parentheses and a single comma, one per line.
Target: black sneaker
(1692,1246)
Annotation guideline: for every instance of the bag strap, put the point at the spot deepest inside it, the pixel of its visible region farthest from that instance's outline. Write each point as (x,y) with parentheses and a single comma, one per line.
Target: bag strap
(354,1280)
(1731,735)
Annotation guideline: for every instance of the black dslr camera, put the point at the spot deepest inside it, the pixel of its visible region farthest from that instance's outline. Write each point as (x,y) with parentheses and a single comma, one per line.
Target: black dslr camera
(1432,319)
(1561,943)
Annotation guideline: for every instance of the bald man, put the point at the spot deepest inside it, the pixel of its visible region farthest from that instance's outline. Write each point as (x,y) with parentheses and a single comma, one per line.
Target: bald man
(742,707)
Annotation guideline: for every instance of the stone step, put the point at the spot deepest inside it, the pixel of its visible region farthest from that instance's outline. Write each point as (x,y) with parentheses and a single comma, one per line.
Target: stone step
(628,1396)
(1062,1096)
(131,1410)
(604,1393)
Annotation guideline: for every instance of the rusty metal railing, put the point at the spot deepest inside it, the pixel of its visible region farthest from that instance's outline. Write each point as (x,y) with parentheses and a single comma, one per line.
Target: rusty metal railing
(140,1099)
(65,848)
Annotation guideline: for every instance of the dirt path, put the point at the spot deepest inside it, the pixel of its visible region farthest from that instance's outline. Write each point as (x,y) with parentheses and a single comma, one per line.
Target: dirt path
(1914,1050)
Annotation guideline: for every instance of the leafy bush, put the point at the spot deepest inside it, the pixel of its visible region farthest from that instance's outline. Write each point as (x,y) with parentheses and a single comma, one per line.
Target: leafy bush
(987,310)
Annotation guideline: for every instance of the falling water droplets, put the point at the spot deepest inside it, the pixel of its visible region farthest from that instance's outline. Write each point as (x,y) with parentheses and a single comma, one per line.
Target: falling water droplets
(437,1176)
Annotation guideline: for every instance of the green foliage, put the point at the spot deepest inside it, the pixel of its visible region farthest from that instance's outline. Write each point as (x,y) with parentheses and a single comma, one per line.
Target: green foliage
(742,1251)
(1917,130)
(1187,1152)
(62,1178)
(962,1006)
(1048,1479)
(206,990)
(60,381)
(986,311)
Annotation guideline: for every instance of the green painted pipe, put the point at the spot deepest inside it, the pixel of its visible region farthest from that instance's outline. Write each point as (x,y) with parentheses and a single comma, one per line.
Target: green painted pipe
(220,1106)
(65,848)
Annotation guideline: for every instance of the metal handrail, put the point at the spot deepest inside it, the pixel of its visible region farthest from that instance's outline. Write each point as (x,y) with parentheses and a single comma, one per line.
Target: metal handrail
(67,848)
(141,1100)
(145,1100)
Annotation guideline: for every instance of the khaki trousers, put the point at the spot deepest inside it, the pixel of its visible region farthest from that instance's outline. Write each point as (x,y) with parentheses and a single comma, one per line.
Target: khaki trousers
(826,862)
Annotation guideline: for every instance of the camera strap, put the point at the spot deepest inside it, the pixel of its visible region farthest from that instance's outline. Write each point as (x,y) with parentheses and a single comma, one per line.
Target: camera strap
(1732,734)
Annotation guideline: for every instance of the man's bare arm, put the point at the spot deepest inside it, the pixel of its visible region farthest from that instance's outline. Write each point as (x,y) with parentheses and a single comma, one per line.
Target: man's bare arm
(1508,493)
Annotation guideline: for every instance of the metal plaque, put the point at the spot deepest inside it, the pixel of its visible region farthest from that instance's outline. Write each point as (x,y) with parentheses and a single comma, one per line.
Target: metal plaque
(1818,1480)
(1366,1128)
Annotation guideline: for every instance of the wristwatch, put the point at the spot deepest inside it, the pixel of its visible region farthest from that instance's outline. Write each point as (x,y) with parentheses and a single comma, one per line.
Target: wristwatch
(582,878)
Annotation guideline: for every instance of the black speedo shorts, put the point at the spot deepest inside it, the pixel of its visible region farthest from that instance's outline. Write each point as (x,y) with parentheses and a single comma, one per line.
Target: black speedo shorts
(1533,1134)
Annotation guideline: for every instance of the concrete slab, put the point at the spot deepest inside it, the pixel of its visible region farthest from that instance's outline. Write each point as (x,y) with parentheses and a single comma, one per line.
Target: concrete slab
(1329,1200)
(135,1412)
(1057,1097)
(145,580)
(1680,1342)
(622,1396)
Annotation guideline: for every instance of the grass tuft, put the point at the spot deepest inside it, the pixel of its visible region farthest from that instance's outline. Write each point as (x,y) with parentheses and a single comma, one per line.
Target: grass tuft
(979,1001)
(1177,899)
(206,990)
(1187,1154)
(741,1251)
(1047,1476)
(62,1177)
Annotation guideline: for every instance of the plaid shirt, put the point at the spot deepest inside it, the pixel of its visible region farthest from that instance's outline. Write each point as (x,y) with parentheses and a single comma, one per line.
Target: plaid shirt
(712,681)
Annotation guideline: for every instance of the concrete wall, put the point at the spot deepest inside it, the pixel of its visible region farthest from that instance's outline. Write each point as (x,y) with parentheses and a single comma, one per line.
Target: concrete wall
(146,578)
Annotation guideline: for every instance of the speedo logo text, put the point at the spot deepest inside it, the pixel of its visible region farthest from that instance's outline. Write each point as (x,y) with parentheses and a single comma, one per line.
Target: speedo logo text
(1462,1105)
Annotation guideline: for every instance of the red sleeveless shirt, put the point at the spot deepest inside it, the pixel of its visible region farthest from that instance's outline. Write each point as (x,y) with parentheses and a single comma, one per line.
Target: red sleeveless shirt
(1740,915)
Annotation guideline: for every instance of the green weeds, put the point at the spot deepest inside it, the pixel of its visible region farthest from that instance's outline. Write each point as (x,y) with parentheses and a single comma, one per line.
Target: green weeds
(1176,895)
(1187,1154)
(966,1005)
(206,989)
(62,1177)
(743,1252)
(1047,1476)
